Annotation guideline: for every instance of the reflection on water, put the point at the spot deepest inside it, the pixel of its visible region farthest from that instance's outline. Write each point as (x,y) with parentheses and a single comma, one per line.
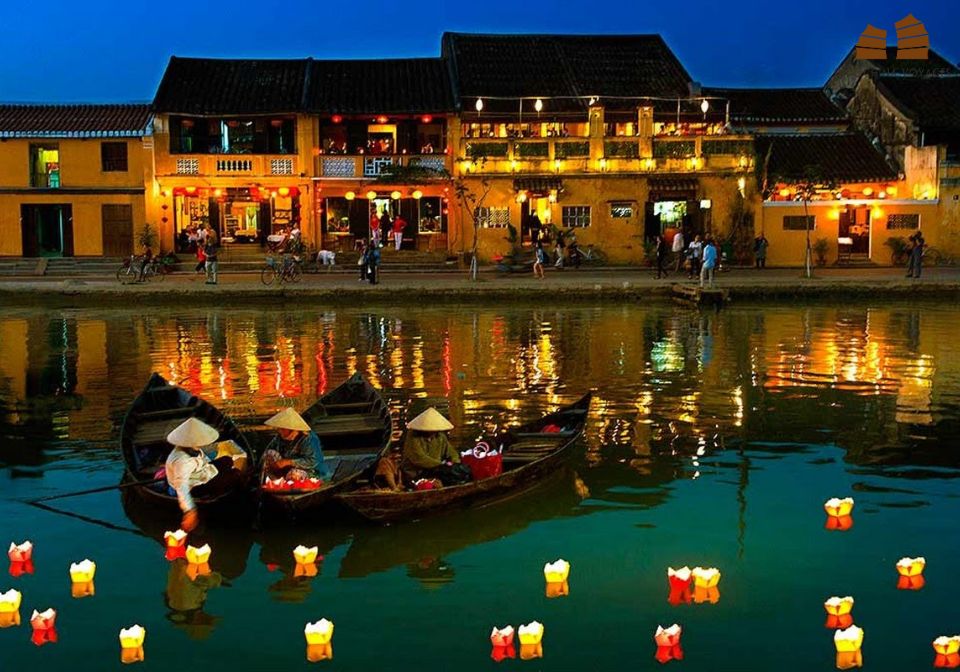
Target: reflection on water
(705,426)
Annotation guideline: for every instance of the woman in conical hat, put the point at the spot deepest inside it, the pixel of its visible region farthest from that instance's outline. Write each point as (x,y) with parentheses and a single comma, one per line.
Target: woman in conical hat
(191,473)
(295,453)
(427,452)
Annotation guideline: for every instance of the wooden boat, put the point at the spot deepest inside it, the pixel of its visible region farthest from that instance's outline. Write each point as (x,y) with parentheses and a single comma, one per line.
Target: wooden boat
(698,296)
(355,429)
(159,408)
(529,455)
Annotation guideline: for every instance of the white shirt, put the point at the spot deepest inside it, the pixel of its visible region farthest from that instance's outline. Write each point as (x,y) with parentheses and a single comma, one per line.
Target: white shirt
(696,249)
(678,242)
(185,472)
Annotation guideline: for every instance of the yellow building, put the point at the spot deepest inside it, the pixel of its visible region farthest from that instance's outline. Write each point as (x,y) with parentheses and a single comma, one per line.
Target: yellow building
(72,179)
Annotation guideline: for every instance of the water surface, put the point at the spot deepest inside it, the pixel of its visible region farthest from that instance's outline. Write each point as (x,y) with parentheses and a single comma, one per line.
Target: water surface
(713,439)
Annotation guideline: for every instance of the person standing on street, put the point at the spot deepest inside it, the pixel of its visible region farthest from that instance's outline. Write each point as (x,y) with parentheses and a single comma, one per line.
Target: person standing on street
(661,252)
(709,264)
(399,224)
(373,263)
(210,253)
(915,259)
(539,258)
(695,254)
(677,248)
(760,250)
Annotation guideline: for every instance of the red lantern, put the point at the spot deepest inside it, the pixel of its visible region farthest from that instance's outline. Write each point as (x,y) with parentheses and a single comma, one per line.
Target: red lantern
(839,523)
(382,119)
(336,118)
(21,567)
(910,582)
(426,119)
(499,653)
(276,123)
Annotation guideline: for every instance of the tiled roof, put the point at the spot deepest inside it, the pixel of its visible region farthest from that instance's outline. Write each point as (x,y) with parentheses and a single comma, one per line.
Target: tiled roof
(770,107)
(935,64)
(562,67)
(407,85)
(74,121)
(845,157)
(933,102)
(230,86)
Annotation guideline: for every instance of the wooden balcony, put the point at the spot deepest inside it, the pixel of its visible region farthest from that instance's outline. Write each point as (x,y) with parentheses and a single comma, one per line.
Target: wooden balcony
(231,165)
(372,166)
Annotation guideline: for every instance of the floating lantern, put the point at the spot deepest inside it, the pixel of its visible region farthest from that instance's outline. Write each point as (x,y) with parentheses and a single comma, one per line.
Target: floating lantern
(320,632)
(44,627)
(911,566)
(176,544)
(948,652)
(838,507)
(83,571)
(80,589)
(318,652)
(128,656)
(705,577)
(703,595)
(838,612)
(679,580)
(557,589)
(10,608)
(502,636)
(499,653)
(20,552)
(198,556)
(668,643)
(531,633)
(194,570)
(304,555)
(556,572)
(132,637)
(848,643)
(305,569)
(19,568)
(531,651)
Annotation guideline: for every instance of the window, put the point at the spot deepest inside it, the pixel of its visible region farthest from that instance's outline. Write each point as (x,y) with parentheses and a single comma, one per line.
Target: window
(621,210)
(113,157)
(575,216)
(903,221)
(45,166)
(261,135)
(493,218)
(799,222)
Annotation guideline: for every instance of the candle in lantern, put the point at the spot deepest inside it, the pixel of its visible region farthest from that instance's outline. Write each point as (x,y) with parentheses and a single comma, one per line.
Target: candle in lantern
(848,643)
(910,572)
(83,571)
(707,577)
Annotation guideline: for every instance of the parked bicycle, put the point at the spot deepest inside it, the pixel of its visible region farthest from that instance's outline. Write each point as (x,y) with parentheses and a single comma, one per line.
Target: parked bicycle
(288,269)
(136,266)
(592,256)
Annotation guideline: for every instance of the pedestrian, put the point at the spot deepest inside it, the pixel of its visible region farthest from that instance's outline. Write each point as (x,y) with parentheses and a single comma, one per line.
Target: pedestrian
(661,253)
(539,259)
(399,224)
(709,264)
(210,254)
(677,248)
(915,260)
(760,250)
(386,225)
(695,255)
(558,249)
(375,228)
(373,263)
(362,261)
(573,251)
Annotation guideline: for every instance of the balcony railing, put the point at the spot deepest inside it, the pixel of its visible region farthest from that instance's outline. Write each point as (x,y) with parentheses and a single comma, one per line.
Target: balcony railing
(260,165)
(371,166)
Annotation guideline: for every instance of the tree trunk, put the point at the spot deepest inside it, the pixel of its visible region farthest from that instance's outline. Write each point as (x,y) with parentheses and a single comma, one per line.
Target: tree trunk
(808,261)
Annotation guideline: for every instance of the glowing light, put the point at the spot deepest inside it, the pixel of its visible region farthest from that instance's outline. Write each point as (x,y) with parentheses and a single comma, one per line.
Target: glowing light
(784,192)
(848,643)
(531,633)
(198,556)
(132,637)
(479,105)
(538,105)
(426,119)
(320,632)
(948,651)
(838,507)
(10,601)
(371,195)
(20,552)
(911,566)
(336,118)
(83,571)
(502,636)
(867,191)
(304,555)
(395,195)
(417,194)
(838,612)
(349,195)
(603,163)
(284,191)
(668,643)
(679,580)
(705,577)
(704,105)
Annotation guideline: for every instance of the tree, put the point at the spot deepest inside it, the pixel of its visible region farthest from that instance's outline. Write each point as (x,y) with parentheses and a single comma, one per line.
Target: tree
(471,201)
(147,236)
(813,181)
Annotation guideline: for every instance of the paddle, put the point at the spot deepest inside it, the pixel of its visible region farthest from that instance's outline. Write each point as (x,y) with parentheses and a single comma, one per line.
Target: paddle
(107,488)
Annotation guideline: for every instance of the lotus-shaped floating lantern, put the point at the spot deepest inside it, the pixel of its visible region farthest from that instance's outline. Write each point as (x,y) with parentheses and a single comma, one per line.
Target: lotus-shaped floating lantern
(531,651)
(128,656)
(20,552)
(175,539)
(703,595)
(318,652)
(531,633)
(668,643)
(498,653)
(305,556)
(44,627)
(83,571)
(320,632)
(836,507)
(707,577)
(557,589)
(911,566)
(502,636)
(132,637)
(848,643)
(838,612)
(308,570)
(679,580)
(193,570)
(198,556)
(556,572)
(948,652)
(10,608)
(80,589)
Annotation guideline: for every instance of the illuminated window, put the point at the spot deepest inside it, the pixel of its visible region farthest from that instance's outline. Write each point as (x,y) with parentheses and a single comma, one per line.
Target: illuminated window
(45,166)
(799,222)
(493,218)
(575,216)
(621,210)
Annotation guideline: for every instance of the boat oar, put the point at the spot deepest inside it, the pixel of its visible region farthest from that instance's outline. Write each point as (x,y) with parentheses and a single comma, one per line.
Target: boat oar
(87,519)
(106,488)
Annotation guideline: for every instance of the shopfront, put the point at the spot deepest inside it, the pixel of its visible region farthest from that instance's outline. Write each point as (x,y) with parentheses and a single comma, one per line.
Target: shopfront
(675,205)
(240,215)
(348,218)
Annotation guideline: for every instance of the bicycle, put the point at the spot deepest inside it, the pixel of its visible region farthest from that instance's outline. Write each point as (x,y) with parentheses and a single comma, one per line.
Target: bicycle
(590,255)
(136,266)
(289,269)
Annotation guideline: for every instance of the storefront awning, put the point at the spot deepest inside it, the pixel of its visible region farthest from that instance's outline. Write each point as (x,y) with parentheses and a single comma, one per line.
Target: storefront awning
(674,184)
(538,186)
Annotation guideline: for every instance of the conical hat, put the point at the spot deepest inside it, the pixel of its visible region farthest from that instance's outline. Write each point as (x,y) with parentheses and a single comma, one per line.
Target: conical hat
(193,433)
(288,419)
(430,421)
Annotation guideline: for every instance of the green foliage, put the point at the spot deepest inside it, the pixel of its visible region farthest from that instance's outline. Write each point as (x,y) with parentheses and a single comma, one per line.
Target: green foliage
(626,149)
(147,237)
(477,150)
(399,174)
(820,248)
(531,150)
(727,147)
(682,149)
(570,150)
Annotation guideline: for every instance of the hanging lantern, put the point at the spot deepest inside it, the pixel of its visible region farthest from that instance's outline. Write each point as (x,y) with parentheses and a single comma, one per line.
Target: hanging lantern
(371,195)
(838,612)
(479,105)
(426,119)
(704,105)
(784,193)
(20,552)
(848,644)
(705,578)
(948,652)
(198,556)
(668,643)
(417,194)
(395,195)
(891,191)
(679,580)
(10,608)
(318,652)
(336,118)
(868,191)
(304,555)
(349,195)
(320,632)
(538,105)
(284,191)
(382,119)
(44,626)
(81,572)
(531,633)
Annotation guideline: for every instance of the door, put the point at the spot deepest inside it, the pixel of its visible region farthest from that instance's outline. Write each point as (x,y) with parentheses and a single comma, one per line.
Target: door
(854,229)
(117,230)
(46,230)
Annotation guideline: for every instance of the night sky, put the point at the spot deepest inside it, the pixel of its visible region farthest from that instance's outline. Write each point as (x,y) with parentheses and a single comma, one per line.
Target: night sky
(64,50)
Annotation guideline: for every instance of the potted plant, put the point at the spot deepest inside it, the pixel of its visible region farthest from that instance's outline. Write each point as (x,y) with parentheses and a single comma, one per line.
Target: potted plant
(147,238)
(899,249)
(820,248)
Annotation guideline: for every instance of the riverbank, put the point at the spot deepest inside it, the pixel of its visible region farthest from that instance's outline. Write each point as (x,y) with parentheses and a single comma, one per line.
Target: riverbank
(559,287)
